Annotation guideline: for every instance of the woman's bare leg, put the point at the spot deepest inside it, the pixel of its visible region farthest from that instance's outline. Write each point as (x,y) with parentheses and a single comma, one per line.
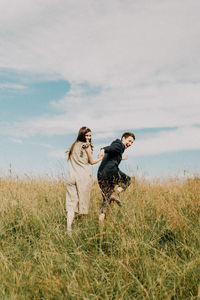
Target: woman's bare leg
(70,218)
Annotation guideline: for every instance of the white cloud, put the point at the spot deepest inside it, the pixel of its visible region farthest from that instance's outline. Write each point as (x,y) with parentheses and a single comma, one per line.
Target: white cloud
(57,154)
(143,56)
(111,43)
(180,139)
(45,145)
(103,135)
(149,107)
(184,138)
(17,141)
(12,86)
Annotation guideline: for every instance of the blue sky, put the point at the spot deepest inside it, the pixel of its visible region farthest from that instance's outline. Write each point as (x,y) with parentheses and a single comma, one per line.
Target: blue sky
(112,66)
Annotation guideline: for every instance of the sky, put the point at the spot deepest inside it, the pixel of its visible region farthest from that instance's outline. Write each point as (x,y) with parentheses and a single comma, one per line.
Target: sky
(113,66)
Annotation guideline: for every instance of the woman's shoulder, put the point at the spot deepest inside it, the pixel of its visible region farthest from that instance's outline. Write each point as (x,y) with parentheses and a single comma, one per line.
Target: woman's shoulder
(87,145)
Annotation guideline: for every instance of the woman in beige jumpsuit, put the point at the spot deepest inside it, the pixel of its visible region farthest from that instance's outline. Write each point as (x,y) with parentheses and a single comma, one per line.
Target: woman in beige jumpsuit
(79,178)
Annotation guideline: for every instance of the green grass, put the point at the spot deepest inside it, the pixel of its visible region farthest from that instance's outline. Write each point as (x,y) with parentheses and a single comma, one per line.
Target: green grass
(147,249)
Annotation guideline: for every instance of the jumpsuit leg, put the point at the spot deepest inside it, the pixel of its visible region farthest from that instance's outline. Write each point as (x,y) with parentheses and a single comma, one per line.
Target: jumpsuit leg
(107,188)
(124,180)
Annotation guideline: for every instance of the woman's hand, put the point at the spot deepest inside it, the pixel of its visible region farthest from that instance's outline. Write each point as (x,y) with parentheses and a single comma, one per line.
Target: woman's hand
(101,154)
(125,157)
(90,158)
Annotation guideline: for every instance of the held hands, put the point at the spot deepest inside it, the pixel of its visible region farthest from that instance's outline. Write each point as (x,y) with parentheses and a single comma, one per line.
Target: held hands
(101,154)
(125,157)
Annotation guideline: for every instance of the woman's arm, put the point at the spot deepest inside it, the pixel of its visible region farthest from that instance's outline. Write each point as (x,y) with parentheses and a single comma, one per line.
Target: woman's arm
(90,158)
(101,153)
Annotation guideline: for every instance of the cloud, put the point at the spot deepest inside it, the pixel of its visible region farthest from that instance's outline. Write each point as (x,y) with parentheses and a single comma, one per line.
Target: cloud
(180,139)
(45,145)
(150,107)
(131,64)
(18,141)
(57,154)
(111,43)
(184,138)
(12,86)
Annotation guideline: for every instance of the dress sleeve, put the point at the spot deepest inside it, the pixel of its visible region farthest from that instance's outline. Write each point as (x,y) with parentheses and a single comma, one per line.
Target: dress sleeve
(86,145)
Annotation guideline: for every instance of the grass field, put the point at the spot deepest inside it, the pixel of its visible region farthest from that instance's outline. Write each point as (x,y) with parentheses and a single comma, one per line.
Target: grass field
(147,249)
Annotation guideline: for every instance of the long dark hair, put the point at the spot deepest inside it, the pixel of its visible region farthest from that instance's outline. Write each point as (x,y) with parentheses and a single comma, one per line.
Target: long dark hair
(80,138)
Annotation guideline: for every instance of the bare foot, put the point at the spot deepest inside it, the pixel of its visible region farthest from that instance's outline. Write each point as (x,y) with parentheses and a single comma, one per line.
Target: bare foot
(69,231)
(115,197)
(101,217)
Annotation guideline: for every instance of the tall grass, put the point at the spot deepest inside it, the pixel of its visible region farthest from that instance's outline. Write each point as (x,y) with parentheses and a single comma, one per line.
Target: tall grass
(147,249)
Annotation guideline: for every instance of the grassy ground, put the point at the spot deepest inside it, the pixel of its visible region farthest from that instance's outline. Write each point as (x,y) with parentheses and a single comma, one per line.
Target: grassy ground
(147,249)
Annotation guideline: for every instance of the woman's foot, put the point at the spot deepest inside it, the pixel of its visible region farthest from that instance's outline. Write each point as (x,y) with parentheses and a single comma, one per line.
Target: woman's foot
(101,217)
(69,231)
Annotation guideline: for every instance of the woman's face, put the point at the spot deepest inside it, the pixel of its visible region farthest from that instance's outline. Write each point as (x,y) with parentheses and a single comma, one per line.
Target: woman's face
(88,136)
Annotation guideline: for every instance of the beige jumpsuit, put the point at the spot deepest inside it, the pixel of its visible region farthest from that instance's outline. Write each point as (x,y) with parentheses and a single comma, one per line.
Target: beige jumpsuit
(79,180)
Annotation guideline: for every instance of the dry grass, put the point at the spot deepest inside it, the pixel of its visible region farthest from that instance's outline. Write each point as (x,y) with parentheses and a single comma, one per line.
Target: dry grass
(147,249)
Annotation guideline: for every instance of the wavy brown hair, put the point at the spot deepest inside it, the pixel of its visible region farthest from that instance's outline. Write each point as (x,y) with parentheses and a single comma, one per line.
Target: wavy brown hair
(80,138)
